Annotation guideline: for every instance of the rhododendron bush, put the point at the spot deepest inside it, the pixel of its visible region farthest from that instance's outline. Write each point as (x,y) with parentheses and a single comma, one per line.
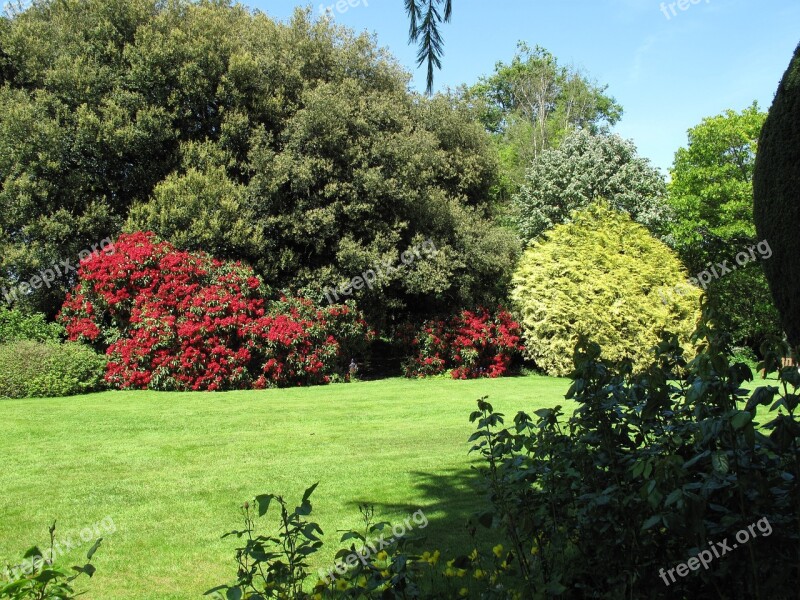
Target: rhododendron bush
(176,320)
(471,344)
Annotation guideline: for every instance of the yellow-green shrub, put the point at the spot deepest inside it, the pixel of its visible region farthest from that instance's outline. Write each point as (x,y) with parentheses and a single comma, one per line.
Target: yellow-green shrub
(605,277)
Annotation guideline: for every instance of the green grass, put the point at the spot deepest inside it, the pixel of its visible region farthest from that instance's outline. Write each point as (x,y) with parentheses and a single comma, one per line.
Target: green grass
(171,470)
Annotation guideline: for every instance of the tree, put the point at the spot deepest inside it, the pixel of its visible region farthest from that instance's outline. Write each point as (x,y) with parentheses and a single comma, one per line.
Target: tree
(777,197)
(711,196)
(532,103)
(605,278)
(424,29)
(295,147)
(586,168)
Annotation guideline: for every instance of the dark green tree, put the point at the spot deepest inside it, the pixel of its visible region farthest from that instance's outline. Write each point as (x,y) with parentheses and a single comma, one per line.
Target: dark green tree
(777,197)
(293,146)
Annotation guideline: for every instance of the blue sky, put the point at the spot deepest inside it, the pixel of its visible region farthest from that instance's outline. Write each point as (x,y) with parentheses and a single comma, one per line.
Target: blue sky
(668,73)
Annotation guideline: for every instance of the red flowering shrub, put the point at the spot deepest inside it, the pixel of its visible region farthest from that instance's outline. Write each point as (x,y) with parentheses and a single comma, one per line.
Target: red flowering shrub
(471,345)
(176,320)
(300,343)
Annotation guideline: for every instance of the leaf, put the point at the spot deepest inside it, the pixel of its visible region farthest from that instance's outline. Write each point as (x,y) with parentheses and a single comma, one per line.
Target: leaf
(741,419)
(263,503)
(309,491)
(673,497)
(761,396)
(651,522)
(486,519)
(219,588)
(555,588)
(234,593)
(695,459)
(93,549)
(32,552)
(719,462)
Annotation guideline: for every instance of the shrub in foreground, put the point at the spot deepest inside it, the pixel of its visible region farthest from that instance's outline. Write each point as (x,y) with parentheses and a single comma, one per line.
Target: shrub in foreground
(470,344)
(30,369)
(273,562)
(604,277)
(652,471)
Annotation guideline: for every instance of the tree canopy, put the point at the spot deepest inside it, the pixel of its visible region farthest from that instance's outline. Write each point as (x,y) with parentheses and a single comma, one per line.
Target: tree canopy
(583,169)
(532,103)
(296,147)
(711,197)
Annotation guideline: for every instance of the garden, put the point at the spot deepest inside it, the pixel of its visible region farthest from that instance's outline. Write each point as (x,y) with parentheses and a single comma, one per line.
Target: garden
(273,324)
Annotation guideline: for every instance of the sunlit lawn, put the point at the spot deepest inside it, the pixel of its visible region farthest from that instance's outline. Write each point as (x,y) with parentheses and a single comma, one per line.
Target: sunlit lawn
(172,469)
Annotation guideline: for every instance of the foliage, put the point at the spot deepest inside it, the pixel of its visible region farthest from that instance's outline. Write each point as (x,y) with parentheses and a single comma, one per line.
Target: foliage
(711,197)
(40,579)
(294,147)
(648,471)
(16,326)
(776,184)
(31,369)
(376,565)
(531,104)
(176,320)
(583,169)
(424,28)
(274,566)
(471,344)
(604,277)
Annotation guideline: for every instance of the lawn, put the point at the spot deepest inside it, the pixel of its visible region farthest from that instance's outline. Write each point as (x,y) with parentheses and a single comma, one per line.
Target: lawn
(171,470)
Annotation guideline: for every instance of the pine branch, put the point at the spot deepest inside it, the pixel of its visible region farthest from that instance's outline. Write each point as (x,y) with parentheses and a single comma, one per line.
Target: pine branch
(424,29)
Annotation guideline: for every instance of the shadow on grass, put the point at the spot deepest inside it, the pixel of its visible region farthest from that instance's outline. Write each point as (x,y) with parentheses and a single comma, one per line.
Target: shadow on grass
(449,499)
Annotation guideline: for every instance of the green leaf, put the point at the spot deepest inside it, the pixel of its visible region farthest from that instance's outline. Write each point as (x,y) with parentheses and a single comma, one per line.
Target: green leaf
(93,549)
(673,497)
(651,522)
(263,502)
(309,491)
(234,593)
(719,462)
(761,396)
(741,419)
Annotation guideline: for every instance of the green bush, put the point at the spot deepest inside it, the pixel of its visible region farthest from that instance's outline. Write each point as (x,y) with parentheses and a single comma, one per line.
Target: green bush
(16,326)
(651,471)
(776,188)
(606,278)
(30,369)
